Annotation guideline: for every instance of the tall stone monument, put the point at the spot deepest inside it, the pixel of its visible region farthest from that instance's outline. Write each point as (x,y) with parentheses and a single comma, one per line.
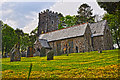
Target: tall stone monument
(15,53)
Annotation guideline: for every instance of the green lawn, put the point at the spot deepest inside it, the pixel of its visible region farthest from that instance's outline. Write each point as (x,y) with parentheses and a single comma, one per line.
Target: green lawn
(76,65)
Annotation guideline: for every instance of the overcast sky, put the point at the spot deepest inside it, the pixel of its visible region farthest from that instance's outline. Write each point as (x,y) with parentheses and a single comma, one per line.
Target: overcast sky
(24,15)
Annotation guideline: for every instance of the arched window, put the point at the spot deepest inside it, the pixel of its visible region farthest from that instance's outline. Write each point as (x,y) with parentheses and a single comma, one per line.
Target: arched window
(38,49)
(76,49)
(52,22)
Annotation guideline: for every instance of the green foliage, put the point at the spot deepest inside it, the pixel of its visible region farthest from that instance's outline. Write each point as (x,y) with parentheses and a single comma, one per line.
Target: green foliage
(33,36)
(113,18)
(76,65)
(19,32)
(25,42)
(85,11)
(84,15)
(114,25)
(110,7)
(60,26)
(9,38)
(34,32)
(67,21)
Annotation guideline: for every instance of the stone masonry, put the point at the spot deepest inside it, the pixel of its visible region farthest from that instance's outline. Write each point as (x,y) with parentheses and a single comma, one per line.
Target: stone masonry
(79,38)
(48,21)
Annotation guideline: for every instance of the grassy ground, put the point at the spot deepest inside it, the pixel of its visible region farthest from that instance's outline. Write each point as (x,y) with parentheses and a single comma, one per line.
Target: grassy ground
(76,65)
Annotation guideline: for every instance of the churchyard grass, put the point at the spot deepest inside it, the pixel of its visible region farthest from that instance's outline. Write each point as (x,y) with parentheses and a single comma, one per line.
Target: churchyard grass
(76,65)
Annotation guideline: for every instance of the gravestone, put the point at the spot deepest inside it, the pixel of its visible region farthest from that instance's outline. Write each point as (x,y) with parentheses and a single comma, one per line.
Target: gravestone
(50,55)
(15,53)
(37,53)
(99,50)
(6,55)
(42,52)
(30,51)
(23,54)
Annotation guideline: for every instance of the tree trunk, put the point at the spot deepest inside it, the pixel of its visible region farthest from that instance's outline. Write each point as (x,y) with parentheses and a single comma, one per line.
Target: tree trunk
(6,52)
(2,51)
(117,43)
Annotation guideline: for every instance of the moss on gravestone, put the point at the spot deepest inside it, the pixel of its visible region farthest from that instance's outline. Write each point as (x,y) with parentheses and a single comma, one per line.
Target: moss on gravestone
(50,55)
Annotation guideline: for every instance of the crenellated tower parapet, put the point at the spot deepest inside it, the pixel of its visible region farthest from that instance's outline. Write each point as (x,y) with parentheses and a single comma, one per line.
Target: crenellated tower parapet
(48,21)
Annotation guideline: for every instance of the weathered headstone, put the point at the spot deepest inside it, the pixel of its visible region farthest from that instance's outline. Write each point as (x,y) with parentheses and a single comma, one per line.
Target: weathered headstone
(30,52)
(15,53)
(5,55)
(99,51)
(23,54)
(42,52)
(50,55)
(37,53)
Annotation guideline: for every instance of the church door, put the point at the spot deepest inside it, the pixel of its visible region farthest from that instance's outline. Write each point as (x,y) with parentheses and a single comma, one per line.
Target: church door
(76,49)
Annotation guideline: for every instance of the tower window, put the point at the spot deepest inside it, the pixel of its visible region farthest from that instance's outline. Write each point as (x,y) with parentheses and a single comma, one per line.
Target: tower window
(52,22)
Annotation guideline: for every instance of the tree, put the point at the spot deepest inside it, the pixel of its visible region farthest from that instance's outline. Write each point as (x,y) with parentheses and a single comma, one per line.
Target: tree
(113,18)
(110,7)
(9,38)
(84,14)
(34,32)
(67,21)
(85,10)
(20,34)
(60,26)
(114,25)
(25,42)
(33,36)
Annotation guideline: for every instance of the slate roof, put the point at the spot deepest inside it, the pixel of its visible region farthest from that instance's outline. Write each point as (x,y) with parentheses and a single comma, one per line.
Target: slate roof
(44,43)
(97,29)
(70,32)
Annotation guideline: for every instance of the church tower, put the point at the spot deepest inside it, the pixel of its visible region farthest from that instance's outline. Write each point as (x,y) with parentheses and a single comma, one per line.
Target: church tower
(48,21)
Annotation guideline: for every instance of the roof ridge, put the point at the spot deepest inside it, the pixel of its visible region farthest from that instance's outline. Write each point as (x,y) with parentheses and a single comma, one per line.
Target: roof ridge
(65,28)
(99,22)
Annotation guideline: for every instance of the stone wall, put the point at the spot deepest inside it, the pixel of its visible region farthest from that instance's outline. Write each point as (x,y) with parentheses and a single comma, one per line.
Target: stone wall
(37,47)
(97,43)
(103,42)
(88,41)
(73,45)
(48,21)
(108,43)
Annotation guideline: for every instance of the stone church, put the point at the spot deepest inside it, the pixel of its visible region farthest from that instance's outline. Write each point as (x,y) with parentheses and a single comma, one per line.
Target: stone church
(75,39)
